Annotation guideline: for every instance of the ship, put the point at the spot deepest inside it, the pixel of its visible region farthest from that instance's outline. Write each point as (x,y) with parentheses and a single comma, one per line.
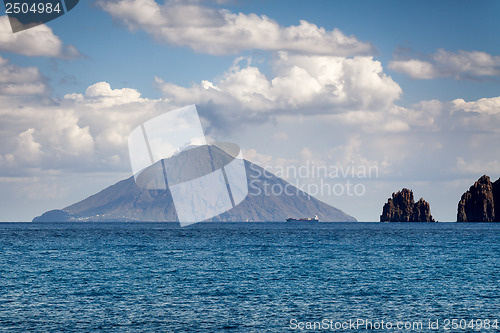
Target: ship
(307,219)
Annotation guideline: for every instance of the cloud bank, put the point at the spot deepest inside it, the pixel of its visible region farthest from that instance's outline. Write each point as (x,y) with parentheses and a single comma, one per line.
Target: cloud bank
(219,31)
(37,41)
(300,85)
(458,65)
(88,131)
(20,81)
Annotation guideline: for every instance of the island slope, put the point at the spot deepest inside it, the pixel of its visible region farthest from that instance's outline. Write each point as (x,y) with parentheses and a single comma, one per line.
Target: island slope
(125,201)
(481,203)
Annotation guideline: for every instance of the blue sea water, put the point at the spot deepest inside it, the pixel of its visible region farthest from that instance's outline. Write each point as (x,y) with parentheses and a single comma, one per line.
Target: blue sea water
(251,277)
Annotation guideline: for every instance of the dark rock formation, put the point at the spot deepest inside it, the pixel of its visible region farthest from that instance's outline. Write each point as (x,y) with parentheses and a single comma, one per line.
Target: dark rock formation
(422,212)
(496,199)
(402,208)
(481,203)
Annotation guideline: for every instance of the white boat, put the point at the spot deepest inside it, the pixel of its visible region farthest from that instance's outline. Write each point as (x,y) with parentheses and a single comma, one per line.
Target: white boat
(307,219)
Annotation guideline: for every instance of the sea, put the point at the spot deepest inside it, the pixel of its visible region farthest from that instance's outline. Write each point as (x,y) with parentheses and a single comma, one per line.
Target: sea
(249,277)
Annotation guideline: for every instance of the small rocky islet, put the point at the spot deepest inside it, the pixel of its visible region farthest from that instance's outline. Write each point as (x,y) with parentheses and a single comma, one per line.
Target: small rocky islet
(480,203)
(403,208)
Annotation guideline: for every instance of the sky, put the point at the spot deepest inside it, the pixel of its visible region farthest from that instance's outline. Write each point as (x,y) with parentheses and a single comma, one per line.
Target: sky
(349,100)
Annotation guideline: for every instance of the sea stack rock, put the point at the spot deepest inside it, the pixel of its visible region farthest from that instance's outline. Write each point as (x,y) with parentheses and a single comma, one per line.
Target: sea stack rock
(496,199)
(481,203)
(402,208)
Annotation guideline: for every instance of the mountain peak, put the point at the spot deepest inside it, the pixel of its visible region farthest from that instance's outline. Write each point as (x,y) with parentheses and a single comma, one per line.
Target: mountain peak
(125,201)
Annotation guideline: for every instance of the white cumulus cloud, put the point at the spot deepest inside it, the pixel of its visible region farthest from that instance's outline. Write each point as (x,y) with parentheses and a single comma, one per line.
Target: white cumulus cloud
(101,95)
(37,41)
(81,131)
(219,31)
(414,68)
(488,106)
(21,81)
(300,84)
(458,65)
(28,149)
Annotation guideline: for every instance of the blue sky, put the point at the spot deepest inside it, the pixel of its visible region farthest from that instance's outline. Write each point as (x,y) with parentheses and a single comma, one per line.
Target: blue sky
(418,27)
(414,92)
